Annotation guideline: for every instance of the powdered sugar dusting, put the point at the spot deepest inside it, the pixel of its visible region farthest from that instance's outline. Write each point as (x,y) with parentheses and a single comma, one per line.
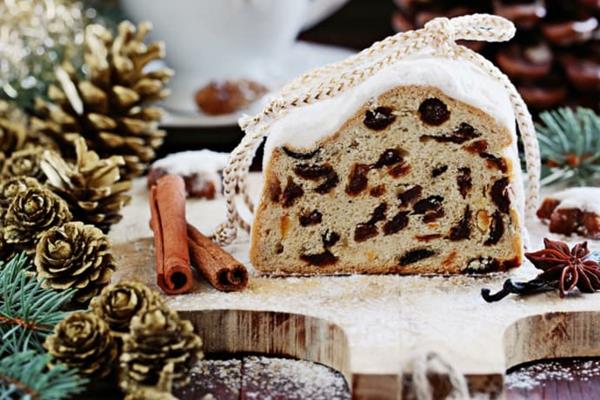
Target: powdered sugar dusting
(586,199)
(538,374)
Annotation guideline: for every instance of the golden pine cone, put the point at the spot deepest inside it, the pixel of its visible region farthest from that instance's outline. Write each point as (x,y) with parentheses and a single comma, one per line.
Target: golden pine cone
(109,107)
(83,341)
(117,304)
(31,213)
(9,188)
(158,337)
(24,162)
(75,256)
(91,185)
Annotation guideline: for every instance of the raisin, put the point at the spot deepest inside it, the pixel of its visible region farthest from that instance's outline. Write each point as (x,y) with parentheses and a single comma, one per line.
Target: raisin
(428,204)
(437,171)
(378,214)
(428,238)
(462,230)
(377,191)
(313,172)
(320,259)
(409,196)
(433,216)
(477,147)
(291,193)
(499,194)
(464,181)
(312,218)
(364,232)
(331,182)
(274,189)
(387,158)
(399,170)
(494,162)
(413,256)
(396,224)
(463,133)
(330,238)
(482,265)
(433,111)
(496,229)
(300,156)
(379,118)
(357,181)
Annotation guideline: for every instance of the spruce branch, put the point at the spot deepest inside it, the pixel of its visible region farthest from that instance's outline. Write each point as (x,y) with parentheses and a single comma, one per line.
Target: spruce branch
(24,375)
(570,146)
(28,312)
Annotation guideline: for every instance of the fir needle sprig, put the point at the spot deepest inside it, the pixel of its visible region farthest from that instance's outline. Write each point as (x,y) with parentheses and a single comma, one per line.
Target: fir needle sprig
(28,312)
(570,146)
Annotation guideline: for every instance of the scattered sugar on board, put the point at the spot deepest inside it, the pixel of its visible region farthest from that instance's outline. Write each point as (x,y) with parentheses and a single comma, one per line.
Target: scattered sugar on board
(538,374)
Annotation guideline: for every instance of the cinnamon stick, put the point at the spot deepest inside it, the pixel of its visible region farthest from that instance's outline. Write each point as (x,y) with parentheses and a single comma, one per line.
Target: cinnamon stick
(218,267)
(167,209)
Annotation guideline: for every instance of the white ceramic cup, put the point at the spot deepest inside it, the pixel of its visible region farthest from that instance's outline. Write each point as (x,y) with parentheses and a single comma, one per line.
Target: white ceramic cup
(225,39)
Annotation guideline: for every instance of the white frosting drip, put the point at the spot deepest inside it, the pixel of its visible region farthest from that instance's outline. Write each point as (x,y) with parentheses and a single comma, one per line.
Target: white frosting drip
(205,164)
(303,128)
(586,199)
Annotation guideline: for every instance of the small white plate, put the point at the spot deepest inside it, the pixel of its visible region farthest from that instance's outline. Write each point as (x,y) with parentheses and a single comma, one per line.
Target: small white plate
(302,57)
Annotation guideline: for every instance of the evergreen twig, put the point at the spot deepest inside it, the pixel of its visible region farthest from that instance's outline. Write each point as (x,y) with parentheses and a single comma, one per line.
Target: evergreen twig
(24,375)
(28,312)
(570,146)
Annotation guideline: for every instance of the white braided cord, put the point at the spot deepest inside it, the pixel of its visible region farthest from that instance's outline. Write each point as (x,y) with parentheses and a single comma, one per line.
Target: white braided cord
(440,34)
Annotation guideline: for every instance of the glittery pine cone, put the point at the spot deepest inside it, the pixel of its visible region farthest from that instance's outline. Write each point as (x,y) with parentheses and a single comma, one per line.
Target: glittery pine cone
(83,341)
(75,256)
(92,186)
(117,304)
(109,106)
(31,213)
(157,337)
(24,162)
(9,188)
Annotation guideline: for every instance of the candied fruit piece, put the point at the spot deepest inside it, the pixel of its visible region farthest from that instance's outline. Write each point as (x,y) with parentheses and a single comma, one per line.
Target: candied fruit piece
(379,118)
(433,111)
(399,170)
(274,189)
(494,162)
(377,191)
(409,196)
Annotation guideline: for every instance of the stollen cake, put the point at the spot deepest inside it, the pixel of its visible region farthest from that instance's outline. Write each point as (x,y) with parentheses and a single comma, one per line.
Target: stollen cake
(415,170)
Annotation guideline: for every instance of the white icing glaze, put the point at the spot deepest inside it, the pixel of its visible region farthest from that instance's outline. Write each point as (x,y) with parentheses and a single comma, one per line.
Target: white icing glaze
(586,199)
(206,164)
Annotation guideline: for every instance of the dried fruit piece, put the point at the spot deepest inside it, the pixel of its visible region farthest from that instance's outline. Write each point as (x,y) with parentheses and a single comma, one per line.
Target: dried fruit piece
(379,118)
(330,238)
(378,214)
(428,204)
(477,147)
(483,220)
(291,193)
(320,259)
(388,157)
(396,224)
(464,181)
(313,171)
(377,191)
(300,156)
(409,196)
(428,238)
(499,194)
(399,170)
(437,171)
(331,182)
(357,181)
(494,162)
(462,230)
(312,218)
(364,231)
(413,256)
(433,216)
(433,111)
(274,189)
(496,229)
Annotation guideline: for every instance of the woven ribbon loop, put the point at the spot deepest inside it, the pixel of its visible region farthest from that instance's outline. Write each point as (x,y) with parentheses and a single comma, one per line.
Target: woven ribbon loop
(439,34)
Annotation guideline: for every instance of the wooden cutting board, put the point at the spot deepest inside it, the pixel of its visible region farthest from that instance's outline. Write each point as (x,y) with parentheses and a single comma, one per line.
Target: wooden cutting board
(369,327)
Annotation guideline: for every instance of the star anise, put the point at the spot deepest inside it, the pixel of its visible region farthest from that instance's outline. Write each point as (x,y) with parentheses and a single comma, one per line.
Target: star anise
(569,267)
